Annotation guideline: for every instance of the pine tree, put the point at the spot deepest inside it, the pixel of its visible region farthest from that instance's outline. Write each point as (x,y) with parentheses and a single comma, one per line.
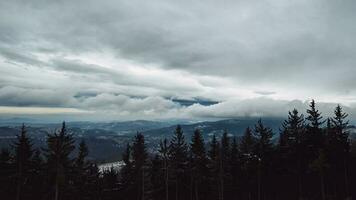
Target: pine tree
(178,157)
(214,166)
(320,165)
(247,150)
(291,147)
(164,154)
(293,129)
(224,169)
(248,143)
(235,167)
(81,166)
(126,174)
(342,143)
(35,180)
(81,162)
(7,174)
(214,149)
(199,164)
(264,144)
(314,132)
(140,166)
(157,174)
(314,116)
(23,155)
(264,149)
(59,147)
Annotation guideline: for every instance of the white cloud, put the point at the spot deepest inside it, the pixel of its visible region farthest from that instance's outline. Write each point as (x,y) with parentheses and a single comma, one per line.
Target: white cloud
(128,59)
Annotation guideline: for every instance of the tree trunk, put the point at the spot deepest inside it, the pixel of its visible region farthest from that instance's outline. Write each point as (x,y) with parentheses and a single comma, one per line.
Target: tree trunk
(56,190)
(143,184)
(196,191)
(346,179)
(259,180)
(166,180)
(176,189)
(19,183)
(323,197)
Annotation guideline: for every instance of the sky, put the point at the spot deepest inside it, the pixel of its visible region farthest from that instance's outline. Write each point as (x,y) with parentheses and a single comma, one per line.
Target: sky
(136,59)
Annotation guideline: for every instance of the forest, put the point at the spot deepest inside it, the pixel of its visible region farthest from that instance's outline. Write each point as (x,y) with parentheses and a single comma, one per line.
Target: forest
(311,157)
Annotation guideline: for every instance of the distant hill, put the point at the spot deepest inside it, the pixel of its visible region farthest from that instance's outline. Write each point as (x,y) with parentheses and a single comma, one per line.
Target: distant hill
(106,141)
(234,127)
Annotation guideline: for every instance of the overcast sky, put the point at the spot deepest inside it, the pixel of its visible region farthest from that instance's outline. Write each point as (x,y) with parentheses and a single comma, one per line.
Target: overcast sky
(124,60)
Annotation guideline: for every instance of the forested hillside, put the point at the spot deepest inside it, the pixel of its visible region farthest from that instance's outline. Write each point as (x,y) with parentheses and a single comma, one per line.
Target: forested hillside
(310,157)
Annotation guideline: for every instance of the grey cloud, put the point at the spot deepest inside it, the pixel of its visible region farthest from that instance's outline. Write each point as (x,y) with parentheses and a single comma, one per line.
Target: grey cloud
(263,46)
(14,96)
(264,92)
(12,56)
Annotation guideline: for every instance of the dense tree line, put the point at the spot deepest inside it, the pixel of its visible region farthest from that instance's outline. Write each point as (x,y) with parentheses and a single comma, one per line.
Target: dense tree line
(311,159)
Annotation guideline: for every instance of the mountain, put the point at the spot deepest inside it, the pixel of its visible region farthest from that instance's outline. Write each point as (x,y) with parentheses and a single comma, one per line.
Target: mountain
(234,127)
(106,141)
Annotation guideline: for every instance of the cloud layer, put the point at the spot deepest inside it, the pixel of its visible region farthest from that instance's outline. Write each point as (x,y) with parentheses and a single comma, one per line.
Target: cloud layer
(133,59)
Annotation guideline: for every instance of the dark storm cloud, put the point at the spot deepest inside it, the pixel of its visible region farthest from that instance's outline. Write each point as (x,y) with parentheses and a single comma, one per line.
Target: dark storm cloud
(282,49)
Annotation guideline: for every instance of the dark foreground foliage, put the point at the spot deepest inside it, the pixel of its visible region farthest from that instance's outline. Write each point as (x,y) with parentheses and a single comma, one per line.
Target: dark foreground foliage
(312,159)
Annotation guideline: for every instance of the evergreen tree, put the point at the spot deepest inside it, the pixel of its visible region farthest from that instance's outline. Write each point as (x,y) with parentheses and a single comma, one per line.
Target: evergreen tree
(293,129)
(264,150)
(314,116)
(178,157)
(264,145)
(164,154)
(126,174)
(81,166)
(23,155)
(235,168)
(199,164)
(36,178)
(59,147)
(7,175)
(140,167)
(214,166)
(157,174)
(292,148)
(320,165)
(248,143)
(341,144)
(247,150)
(315,138)
(224,168)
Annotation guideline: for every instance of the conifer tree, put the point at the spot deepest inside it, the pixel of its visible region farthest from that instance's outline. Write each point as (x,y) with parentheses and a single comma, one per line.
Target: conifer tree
(7,174)
(23,155)
(157,174)
(199,164)
(224,163)
(81,165)
(235,167)
(314,131)
(293,129)
(59,147)
(264,149)
(292,148)
(214,166)
(248,157)
(126,174)
(248,143)
(178,157)
(320,165)
(140,166)
(342,143)
(264,145)
(164,154)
